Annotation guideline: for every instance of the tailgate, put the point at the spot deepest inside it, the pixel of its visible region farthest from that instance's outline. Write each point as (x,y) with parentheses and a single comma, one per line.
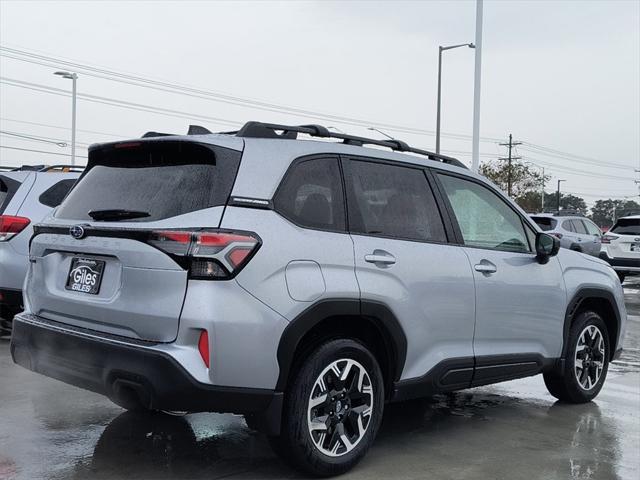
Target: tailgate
(139,295)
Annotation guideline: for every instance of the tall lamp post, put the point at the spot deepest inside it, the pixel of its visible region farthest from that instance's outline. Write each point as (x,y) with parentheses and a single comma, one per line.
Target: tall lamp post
(558,195)
(440,50)
(73,77)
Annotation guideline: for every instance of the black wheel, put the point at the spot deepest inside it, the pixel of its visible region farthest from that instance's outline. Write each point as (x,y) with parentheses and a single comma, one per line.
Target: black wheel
(622,276)
(332,410)
(586,363)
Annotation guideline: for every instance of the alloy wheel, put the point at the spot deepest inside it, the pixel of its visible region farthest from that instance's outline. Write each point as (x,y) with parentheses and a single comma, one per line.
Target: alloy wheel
(590,357)
(340,407)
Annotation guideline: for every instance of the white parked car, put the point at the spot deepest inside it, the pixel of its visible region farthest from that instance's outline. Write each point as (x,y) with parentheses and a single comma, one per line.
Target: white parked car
(621,246)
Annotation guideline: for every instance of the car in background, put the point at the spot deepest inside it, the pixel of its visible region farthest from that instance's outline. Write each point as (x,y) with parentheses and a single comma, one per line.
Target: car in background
(575,232)
(621,246)
(27,195)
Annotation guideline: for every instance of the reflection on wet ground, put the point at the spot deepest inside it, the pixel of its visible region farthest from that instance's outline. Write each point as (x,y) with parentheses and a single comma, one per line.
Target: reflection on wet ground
(508,431)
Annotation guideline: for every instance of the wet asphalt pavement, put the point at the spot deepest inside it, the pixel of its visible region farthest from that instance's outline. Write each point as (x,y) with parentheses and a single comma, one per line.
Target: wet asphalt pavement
(513,430)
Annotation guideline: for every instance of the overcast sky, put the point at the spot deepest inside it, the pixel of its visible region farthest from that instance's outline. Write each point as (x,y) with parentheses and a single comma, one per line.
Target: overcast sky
(560,75)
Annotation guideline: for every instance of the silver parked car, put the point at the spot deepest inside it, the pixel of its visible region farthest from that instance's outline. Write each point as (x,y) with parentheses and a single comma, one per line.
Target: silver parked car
(27,195)
(304,284)
(575,232)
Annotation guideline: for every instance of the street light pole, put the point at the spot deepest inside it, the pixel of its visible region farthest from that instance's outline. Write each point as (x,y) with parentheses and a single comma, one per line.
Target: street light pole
(73,77)
(440,50)
(475,142)
(558,194)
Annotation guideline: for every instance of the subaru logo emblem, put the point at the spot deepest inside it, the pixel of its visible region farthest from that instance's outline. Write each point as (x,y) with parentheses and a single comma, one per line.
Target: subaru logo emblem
(77,231)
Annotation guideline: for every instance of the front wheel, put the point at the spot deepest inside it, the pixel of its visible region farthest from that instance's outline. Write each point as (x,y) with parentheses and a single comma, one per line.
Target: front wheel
(586,363)
(332,410)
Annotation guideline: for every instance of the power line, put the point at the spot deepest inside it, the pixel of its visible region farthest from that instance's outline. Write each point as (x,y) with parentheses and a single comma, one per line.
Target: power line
(62,128)
(567,155)
(139,81)
(31,138)
(39,151)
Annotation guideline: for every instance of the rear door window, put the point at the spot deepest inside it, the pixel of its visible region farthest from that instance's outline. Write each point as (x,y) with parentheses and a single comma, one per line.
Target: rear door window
(568,226)
(53,196)
(579,226)
(311,195)
(627,226)
(8,187)
(392,201)
(163,179)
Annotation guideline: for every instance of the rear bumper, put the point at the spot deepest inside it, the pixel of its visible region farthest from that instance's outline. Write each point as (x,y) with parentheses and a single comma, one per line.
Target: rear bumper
(109,367)
(622,264)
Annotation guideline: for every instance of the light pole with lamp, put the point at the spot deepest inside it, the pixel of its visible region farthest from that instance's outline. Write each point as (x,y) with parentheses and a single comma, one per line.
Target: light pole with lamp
(558,194)
(73,77)
(440,50)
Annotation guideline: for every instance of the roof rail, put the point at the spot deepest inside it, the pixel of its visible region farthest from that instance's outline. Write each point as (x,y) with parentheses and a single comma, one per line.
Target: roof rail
(290,132)
(7,169)
(64,168)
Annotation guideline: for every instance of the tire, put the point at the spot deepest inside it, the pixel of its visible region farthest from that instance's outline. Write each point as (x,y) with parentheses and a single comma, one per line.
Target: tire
(351,421)
(587,328)
(622,276)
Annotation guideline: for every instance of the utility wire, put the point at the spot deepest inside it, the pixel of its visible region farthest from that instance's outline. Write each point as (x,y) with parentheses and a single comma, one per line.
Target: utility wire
(62,128)
(40,151)
(33,138)
(106,74)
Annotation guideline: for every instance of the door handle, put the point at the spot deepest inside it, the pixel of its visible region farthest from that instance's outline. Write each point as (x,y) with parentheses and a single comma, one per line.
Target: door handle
(485,267)
(380,257)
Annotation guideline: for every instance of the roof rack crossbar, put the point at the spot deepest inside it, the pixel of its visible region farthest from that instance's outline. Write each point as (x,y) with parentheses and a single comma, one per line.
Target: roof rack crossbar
(64,168)
(270,130)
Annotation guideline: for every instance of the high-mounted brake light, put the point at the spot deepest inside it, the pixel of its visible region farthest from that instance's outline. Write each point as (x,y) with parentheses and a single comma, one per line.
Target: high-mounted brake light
(10,226)
(213,255)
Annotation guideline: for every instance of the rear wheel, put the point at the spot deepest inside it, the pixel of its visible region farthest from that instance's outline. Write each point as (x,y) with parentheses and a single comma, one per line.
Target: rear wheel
(332,410)
(586,363)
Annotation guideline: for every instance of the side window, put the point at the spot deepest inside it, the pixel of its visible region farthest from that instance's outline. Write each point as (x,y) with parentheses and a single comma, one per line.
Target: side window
(311,195)
(484,218)
(393,201)
(568,226)
(579,226)
(53,196)
(592,228)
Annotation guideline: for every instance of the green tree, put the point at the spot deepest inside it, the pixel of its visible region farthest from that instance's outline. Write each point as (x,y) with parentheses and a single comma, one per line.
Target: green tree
(604,212)
(525,181)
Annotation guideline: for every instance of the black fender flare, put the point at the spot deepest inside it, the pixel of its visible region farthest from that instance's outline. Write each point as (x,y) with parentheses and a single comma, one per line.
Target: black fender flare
(377,312)
(578,298)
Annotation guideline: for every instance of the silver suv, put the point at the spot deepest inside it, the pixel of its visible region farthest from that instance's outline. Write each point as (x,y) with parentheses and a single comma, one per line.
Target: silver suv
(304,284)
(27,195)
(575,232)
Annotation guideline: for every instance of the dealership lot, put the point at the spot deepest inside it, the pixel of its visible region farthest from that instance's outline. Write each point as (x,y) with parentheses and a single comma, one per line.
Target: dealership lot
(511,430)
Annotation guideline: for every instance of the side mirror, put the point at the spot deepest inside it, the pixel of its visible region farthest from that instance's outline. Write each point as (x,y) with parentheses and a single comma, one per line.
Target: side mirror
(546,246)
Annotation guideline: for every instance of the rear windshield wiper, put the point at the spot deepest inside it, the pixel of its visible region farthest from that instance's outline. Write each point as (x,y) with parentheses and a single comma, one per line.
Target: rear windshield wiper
(116,214)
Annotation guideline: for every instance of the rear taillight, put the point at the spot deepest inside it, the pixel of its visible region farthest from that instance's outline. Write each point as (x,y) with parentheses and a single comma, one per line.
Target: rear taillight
(209,255)
(203,347)
(10,226)
(558,235)
(608,238)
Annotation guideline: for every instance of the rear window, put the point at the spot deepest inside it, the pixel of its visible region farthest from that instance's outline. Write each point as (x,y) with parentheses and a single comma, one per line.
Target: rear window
(8,188)
(164,179)
(627,226)
(545,223)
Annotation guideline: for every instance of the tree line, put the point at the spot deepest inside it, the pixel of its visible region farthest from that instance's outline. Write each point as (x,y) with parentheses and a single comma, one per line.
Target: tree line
(526,187)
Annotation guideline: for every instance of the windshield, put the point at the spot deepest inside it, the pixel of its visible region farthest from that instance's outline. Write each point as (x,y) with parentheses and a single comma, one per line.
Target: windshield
(160,179)
(627,226)
(545,223)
